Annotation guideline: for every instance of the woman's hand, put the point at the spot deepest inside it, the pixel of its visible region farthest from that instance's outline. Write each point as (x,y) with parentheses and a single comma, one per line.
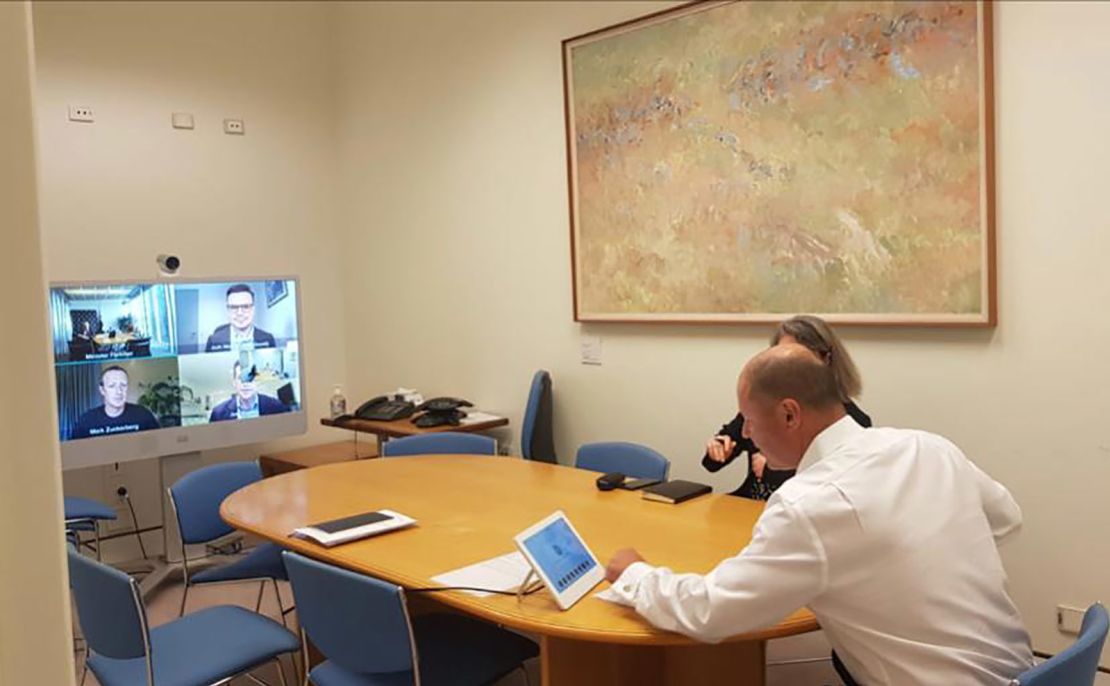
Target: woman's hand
(758,463)
(719,448)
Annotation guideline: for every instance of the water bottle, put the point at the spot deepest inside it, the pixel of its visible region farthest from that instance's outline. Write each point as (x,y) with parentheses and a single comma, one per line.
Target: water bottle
(338,403)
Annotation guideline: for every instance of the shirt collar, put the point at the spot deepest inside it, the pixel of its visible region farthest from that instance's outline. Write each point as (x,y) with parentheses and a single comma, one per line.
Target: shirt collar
(828,441)
(248,408)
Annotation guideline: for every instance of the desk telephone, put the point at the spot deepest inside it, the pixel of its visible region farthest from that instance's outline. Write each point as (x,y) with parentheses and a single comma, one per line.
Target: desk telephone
(440,411)
(385,408)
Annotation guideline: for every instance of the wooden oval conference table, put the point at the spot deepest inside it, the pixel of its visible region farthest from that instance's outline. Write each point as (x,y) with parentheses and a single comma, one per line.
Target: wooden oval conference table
(469,508)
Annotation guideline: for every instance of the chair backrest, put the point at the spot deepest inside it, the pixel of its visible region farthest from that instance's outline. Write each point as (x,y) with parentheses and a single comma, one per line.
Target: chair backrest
(630,459)
(80,346)
(197,497)
(109,607)
(1077,664)
(444,442)
(537,441)
(359,622)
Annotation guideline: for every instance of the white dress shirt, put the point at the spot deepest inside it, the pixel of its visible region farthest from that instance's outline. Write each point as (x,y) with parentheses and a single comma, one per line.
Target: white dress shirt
(889,537)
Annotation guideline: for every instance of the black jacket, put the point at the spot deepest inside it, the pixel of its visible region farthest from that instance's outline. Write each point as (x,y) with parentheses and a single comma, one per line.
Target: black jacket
(221,339)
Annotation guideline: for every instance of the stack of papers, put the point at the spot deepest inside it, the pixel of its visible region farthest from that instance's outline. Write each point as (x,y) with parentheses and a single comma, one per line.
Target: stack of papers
(353,528)
(476,417)
(504,573)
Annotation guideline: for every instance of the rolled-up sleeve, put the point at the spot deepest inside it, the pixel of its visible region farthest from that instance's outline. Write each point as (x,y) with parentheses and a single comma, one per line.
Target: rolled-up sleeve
(781,570)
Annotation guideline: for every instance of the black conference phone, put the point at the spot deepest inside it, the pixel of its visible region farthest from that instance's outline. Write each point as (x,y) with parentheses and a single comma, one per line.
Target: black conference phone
(440,411)
(385,408)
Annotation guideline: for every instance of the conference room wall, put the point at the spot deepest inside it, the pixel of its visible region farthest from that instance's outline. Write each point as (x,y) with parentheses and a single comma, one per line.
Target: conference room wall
(35,646)
(451,145)
(118,192)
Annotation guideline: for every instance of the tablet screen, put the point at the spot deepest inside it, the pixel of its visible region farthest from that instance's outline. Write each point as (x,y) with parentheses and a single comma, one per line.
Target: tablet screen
(560,554)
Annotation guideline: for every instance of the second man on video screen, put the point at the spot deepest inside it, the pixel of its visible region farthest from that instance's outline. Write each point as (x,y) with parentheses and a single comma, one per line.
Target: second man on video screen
(240,328)
(246,402)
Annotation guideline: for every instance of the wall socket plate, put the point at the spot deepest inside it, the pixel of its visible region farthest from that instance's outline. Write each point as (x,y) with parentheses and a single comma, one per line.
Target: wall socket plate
(234,127)
(1069,619)
(82,113)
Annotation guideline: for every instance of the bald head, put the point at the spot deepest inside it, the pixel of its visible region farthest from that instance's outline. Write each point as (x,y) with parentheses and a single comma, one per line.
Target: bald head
(787,396)
(791,371)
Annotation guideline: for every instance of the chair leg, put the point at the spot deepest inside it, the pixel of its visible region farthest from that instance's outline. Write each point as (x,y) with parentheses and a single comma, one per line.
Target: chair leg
(304,653)
(281,608)
(96,534)
(184,597)
(258,603)
(84,670)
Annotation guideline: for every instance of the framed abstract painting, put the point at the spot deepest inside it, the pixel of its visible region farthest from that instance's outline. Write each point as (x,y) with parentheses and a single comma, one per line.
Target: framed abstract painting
(745,161)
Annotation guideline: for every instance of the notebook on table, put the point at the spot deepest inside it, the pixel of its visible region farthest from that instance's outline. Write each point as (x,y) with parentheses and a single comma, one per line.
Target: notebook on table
(345,529)
(675,491)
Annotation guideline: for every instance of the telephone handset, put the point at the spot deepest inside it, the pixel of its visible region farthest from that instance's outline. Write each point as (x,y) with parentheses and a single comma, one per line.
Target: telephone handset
(443,404)
(385,408)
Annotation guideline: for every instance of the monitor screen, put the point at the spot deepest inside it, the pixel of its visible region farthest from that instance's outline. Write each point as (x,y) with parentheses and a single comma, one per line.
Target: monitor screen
(559,553)
(159,367)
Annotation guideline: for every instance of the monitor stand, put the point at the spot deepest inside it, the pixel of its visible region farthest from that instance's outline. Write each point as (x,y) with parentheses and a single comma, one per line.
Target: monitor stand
(159,569)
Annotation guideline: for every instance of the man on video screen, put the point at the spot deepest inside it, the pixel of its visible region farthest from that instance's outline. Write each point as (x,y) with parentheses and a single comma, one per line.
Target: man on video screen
(240,332)
(116,415)
(247,402)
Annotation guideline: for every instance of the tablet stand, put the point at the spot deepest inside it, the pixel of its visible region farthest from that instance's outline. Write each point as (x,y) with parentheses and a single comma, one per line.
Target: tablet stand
(523,588)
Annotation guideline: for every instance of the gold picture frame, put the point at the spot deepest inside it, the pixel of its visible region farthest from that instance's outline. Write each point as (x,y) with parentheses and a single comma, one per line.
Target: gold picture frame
(739,162)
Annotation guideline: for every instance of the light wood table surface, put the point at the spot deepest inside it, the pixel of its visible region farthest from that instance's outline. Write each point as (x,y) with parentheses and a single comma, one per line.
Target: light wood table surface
(468,509)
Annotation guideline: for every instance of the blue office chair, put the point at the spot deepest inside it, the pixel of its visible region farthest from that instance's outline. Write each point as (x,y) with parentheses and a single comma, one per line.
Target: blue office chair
(1076,665)
(362,626)
(84,514)
(537,440)
(206,647)
(196,499)
(630,459)
(442,443)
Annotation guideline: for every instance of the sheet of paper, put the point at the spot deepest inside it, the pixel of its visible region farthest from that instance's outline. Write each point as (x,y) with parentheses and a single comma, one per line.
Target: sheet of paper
(474,417)
(502,573)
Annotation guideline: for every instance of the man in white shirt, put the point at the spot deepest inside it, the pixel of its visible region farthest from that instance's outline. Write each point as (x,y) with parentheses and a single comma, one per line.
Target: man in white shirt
(887,535)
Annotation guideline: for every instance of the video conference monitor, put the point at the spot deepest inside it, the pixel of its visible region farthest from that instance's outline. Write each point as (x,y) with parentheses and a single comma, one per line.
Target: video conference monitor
(155,368)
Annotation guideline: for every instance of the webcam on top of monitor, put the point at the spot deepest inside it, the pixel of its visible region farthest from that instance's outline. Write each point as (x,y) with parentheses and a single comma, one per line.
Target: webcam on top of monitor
(168,265)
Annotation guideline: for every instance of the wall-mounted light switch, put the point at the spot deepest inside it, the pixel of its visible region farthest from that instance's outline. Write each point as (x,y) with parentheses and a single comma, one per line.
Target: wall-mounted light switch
(182,120)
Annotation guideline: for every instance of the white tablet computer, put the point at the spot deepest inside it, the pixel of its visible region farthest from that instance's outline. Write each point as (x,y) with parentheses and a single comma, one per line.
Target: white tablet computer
(561,558)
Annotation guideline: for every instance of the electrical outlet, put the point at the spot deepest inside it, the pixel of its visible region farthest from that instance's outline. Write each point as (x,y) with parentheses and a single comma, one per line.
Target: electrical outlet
(82,113)
(1069,619)
(234,126)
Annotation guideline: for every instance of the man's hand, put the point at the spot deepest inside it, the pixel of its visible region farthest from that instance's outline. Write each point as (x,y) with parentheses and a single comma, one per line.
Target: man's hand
(719,448)
(621,560)
(758,463)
